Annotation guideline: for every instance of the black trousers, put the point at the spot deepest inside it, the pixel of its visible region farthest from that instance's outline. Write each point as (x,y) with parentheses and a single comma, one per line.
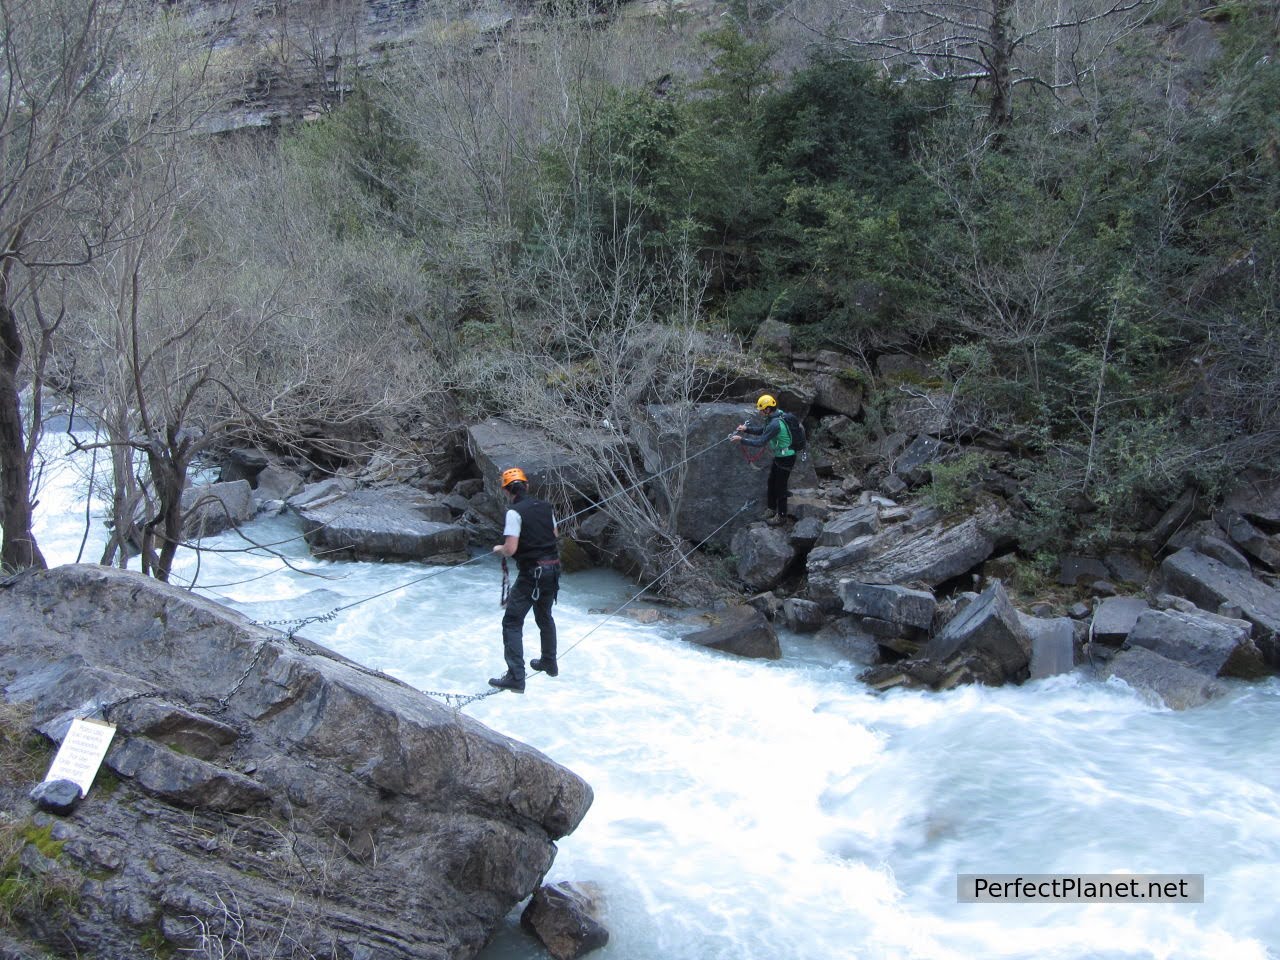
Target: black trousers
(535,587)
(779,477)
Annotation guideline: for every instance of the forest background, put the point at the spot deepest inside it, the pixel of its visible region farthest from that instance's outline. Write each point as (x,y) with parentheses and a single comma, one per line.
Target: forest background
(558,213)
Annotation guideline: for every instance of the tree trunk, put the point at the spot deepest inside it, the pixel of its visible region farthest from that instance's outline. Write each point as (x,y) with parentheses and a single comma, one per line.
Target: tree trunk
(18,550)
(999,63)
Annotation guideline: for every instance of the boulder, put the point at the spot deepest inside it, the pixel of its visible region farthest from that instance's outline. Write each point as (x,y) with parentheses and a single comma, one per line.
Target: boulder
(276,483)
(550,465)
(842,395)
(846,527)
(209,509)
(426,826)
(1210,584)
(1114,617)
(763,553)
(243,463)
(929,556)
(990,629)
(388,523)
(928,413)
(805,534)
(1250,539)
(802,616)
(921,452)
(773,339)
(910,610)
(1214,645)
(1053,645)
(1176,686)
(741,630)
(1223,552)
(1072,569)
(1257,497)
(565,917)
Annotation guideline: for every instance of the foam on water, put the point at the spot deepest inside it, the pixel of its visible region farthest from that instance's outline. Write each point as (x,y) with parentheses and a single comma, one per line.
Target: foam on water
(769,811)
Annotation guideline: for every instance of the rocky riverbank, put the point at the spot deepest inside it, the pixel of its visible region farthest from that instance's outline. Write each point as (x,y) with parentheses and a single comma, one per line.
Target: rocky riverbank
(262,796)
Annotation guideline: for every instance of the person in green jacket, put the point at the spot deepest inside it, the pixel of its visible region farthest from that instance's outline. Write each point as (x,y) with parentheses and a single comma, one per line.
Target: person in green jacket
(777,436)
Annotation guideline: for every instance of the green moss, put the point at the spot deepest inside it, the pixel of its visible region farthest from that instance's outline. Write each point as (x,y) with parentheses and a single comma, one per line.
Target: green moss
(42,839)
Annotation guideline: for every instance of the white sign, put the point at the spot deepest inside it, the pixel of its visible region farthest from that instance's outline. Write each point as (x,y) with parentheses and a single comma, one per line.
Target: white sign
(81,753)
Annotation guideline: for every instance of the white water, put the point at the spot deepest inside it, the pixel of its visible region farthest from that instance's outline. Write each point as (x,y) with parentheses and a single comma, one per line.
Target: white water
(779,811)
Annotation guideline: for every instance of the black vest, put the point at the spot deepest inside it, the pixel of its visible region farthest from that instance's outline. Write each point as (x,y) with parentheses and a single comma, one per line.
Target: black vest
(537,530)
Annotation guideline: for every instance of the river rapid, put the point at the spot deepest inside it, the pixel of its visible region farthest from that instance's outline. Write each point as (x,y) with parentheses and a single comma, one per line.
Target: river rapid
(749,810)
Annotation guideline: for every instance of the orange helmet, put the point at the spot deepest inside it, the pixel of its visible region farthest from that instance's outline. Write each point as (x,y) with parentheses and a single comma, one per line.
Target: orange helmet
(512,475)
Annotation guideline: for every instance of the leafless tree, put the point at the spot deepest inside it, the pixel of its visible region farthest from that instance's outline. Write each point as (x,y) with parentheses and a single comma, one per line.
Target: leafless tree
(995,45)
(78,98)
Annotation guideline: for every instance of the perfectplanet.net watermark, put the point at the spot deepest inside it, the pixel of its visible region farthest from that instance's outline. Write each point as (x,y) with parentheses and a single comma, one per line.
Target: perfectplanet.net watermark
(1080,888)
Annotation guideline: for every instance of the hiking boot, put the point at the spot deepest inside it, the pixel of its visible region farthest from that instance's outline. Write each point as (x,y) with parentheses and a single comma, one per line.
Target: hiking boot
(508,682)
(549,667)
(776,520)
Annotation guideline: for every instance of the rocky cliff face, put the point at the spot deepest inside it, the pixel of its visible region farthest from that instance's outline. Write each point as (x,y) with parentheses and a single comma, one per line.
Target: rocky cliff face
(263,794)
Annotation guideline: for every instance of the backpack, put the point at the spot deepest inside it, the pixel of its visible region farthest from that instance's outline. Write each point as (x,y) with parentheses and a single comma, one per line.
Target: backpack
(798,439)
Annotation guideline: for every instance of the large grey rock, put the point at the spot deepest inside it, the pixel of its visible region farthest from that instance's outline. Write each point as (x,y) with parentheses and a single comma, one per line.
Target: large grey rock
(902,606)
(389,523)
(1176,686)
(566,918)
(1249,538)
(1053,645)
(1210,584)
(1257,497)
(991,629)
(333,808)
(708,494)
(928,413)
(741,630)
(921,452)
(929,556)
(773,338)
(802,616)
(842,395)
(764,554)
(1214,645)
(276,483)
(550,465)
(211,508)
(844,528)
(1114,618)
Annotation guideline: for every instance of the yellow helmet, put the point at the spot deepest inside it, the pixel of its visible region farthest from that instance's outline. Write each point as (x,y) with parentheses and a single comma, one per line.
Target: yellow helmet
(512,475)
(766,402)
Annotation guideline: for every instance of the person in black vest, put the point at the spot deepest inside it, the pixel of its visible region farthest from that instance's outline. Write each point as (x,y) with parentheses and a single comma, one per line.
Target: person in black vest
(530,537)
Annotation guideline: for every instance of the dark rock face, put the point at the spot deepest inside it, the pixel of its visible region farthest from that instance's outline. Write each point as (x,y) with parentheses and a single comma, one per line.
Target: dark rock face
(744,632)
(565,917)
(391,523)
(1214,645)
(990,629)
(764,554)
(270,790)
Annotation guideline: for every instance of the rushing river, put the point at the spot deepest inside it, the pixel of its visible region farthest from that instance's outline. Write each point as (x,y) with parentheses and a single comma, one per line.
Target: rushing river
(779,811)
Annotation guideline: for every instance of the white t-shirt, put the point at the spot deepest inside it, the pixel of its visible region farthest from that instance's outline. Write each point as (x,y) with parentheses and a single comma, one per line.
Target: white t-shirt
(512,529)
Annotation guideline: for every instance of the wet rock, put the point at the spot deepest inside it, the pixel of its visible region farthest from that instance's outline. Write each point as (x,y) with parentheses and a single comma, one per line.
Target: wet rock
(212,508)
(1114,617)
(1176,686)
(742,631)
(1053,645)
(1213,645)
(764,554)
(566,919)
(1210,583)
(802,616)
(389,523)
(990,630)
(909,610)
